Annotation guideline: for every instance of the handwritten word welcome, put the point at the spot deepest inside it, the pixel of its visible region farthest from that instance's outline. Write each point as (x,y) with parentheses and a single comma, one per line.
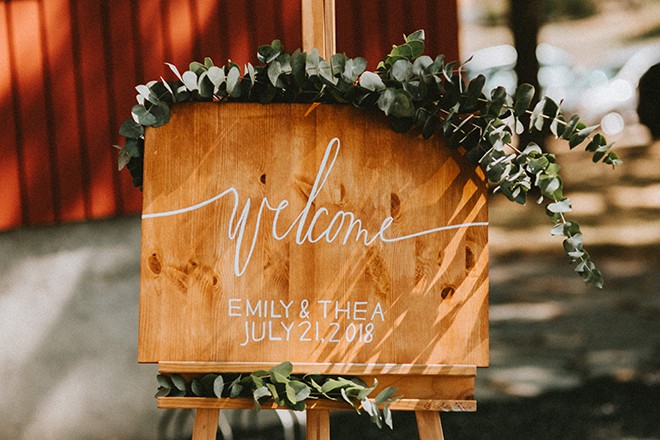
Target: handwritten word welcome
(342,225)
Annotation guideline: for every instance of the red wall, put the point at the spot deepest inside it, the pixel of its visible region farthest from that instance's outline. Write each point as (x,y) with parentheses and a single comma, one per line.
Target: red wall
(68,70)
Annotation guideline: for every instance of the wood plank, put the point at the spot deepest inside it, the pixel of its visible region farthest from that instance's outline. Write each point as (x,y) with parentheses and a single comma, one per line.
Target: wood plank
(352,369)
(313,24)
(428,425)
(318,424)
(206,424)
(282,297)
(321,404)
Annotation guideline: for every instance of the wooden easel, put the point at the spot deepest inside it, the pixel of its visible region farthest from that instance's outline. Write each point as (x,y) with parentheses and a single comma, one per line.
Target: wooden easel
(451,388)
(427,389)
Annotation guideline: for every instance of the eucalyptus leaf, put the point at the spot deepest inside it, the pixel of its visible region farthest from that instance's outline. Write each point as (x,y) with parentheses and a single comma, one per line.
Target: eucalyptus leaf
(218,386)
(216,75)
(561,206)
(523,99)
(396,102)
(190,80)
(178,382)
(577,138)
(402,70)
(385,395)
(261,392)
(144,117)
(131,129)
(371,81)
(163,392)
(233,78)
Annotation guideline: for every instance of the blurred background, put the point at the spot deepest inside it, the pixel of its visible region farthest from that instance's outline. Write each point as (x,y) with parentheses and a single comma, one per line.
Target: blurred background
(567,361)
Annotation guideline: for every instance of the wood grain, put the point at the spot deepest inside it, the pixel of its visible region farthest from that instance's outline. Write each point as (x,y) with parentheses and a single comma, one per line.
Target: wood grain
(246,403)
(427,296)
(428,425)
(206,424)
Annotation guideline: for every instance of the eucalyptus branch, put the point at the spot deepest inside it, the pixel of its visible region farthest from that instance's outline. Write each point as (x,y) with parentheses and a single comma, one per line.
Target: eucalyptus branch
(284,389)
(413,90)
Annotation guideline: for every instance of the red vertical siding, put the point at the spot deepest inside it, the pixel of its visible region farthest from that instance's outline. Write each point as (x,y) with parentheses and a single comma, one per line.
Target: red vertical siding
(72,197)
(68,70)
(27,68)
(11,202)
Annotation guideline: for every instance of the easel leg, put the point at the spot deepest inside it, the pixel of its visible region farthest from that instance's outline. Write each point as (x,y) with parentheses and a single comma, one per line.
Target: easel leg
(318,424)
(428,425)
(206,424)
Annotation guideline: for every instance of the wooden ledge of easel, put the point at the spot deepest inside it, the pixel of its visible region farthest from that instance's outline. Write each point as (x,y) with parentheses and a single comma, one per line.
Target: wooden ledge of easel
(422,387)
(321,404)
(354,369)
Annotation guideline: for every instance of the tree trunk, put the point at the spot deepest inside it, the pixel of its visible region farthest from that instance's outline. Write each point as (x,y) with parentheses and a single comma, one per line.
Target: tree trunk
(526,19)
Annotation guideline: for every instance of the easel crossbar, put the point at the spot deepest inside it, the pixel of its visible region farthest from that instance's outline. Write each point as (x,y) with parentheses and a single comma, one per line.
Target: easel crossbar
(247,403)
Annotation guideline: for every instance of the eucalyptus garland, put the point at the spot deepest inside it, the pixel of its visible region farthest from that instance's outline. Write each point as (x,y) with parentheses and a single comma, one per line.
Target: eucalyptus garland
(416,92)
(285,389)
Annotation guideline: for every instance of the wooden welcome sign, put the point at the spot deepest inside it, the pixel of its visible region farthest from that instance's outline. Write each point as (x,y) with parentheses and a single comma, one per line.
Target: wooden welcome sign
(318,236)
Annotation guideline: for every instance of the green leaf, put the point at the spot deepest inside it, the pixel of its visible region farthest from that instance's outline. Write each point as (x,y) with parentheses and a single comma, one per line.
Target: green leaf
(277,377)
(561,206)
(550,186)
(285,368)
(274,72)
(418,35)
(161,113)
(267,53)
(302,390)
(197,67)
(217,76)
(325,72)
(144,116)
(401,70)
(190,80)
(422,64)
(387,417)
(368,406)
(146,93)
(385,395)
(404,51)
(536,120)
(522,99)
(131,129)
(235,388)
(371,81)
(218,386)
(163,392)
(178,382)
(197,388)
(276,396)
(612,159)
(570,127)
(474,93)
(233,78)
(396,102)
(353,69)
(558,125)
(417,48)
(164,381)
(580,136)
(261,392)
